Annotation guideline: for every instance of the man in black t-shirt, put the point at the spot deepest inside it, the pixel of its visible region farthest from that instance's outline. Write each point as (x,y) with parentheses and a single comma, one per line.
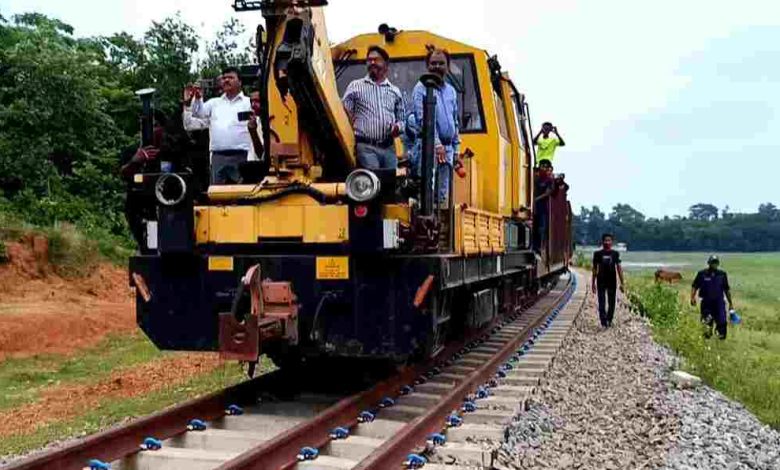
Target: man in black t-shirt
(712,284)
(606,270)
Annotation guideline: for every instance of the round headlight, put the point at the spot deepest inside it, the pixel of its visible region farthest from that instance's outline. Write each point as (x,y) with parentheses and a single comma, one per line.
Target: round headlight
(363,185)
(170,189)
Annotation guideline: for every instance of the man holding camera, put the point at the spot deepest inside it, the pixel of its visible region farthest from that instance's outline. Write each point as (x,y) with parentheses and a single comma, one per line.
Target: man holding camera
(139,206)
(230,121)
(546,145)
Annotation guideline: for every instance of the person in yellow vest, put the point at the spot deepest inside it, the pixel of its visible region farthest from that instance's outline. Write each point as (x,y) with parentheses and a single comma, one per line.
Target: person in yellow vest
(546,144)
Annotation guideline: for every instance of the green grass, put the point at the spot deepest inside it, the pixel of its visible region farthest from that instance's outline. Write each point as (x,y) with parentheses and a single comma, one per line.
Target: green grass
(21,380)
(113,411)
(746,366)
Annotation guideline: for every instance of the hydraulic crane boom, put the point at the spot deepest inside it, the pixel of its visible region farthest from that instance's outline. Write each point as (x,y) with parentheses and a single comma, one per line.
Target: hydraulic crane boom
(299,65)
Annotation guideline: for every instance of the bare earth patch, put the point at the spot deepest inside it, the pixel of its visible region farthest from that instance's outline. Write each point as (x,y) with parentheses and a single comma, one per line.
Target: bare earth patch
(43,313)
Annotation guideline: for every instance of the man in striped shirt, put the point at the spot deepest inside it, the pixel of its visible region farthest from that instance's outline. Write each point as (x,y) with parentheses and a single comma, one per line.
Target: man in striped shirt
(376,109)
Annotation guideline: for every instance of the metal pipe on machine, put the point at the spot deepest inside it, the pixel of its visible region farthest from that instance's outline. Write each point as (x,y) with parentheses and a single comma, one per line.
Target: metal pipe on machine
(147,116)
(431,82)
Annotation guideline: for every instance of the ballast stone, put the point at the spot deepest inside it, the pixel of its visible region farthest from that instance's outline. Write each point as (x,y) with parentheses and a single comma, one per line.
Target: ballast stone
(684,379)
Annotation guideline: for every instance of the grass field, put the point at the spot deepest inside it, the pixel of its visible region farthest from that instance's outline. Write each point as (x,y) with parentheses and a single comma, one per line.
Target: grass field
(746,366)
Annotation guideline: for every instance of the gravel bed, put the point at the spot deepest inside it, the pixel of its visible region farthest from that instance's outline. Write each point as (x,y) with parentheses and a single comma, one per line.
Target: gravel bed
(607,403)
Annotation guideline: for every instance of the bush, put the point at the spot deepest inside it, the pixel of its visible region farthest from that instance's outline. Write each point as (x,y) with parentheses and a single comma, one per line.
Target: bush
(582,260)
(657,302)
(70,251)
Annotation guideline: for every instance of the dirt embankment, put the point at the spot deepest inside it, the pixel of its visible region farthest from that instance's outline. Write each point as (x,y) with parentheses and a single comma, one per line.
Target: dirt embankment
(42,312)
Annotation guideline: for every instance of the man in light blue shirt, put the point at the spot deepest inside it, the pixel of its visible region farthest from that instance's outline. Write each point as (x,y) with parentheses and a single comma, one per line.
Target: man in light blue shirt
(447,134)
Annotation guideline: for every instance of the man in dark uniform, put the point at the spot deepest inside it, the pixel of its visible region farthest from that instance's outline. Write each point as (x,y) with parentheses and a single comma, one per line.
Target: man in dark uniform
(140,207)
(712,285)
(606,270)
(544,185)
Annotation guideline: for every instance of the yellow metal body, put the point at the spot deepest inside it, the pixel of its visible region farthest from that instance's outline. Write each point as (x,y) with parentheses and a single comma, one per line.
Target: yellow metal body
(478,232)
(497,186)
(248,192)
(498,181)
(250,224)
(294,151)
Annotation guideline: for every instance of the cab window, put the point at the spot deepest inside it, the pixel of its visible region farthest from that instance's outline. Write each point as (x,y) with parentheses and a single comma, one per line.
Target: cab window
(405,73)
(503,125)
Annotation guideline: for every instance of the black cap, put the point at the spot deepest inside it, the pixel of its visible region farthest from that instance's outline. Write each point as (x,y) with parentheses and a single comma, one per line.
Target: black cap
(713,259)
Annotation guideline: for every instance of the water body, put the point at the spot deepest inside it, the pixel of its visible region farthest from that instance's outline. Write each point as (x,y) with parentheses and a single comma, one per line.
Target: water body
(641,265)
(653,260)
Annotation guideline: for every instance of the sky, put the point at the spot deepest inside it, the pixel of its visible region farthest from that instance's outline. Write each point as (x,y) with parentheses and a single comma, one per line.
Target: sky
(662,104)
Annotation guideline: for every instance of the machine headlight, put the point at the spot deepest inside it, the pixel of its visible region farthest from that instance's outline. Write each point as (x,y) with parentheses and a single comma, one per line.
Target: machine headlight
(170,189)
(363,185)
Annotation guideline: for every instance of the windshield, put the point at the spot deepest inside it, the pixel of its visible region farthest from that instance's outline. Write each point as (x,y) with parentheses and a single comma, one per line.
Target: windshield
(405,74)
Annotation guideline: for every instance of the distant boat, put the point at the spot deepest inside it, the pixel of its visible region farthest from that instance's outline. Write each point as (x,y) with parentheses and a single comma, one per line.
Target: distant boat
(622,247)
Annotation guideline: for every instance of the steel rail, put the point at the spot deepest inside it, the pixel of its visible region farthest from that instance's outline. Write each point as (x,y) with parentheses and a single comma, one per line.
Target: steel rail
(392,453)
(278,453)
(281,452)
(122,441)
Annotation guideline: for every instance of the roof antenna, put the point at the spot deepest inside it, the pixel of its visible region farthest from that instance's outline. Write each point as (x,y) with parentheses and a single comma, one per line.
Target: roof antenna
(388,32)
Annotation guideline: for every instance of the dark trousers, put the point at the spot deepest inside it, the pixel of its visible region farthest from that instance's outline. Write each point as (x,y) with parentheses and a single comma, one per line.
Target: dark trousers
(606,311)
(714,312)
(224,166)
(540,229)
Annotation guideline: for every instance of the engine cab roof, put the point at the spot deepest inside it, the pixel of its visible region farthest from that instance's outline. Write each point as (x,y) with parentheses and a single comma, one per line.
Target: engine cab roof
(405,44)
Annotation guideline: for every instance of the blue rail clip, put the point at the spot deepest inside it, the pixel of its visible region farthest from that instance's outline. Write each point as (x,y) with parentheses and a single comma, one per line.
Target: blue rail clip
(196,425)
(151,443)
(415,461)
(339,433)
(437,439)
(96,464)
(453,421)
(308,453)
(386,402)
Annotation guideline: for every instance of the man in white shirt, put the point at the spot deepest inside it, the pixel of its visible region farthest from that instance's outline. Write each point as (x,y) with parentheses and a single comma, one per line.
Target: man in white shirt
(227,120)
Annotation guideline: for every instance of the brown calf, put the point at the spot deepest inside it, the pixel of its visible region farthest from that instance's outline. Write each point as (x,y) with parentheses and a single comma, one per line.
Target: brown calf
(667,276)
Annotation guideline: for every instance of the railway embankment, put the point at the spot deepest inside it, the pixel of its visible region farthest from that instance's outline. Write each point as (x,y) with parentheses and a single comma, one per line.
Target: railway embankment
(609,402)
(71,359)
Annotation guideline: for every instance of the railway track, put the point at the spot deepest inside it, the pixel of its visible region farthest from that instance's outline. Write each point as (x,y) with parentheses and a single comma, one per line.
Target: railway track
(442,413)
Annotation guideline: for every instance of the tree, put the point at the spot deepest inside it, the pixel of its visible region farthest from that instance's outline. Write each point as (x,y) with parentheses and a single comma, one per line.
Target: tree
(701,232)
(769,211)
(702,211)
(169,46)
(625,214)
(57,142)
(231,47)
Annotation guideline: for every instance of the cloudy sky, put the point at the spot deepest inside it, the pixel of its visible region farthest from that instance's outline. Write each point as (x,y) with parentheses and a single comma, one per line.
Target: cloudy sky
(663,104)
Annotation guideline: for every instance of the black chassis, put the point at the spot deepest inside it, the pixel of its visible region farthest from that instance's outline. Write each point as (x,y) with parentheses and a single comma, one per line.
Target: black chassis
(369,315)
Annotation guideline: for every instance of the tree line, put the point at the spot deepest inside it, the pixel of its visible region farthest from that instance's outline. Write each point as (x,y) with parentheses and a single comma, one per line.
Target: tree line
(704,228)
(68,108)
